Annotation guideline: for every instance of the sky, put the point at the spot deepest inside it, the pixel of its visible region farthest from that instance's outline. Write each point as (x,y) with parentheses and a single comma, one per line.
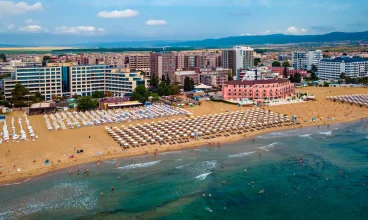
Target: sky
(74,21)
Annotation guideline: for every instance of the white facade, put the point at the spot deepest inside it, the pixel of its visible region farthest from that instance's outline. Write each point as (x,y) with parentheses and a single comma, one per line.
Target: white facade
(80,80)
(314,57)
(352,67)
(47,81)
(237,58)
(303,60)
(244,57)
(250,74)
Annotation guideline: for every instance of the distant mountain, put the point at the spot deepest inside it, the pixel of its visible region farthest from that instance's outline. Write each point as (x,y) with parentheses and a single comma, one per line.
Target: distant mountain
(273,39)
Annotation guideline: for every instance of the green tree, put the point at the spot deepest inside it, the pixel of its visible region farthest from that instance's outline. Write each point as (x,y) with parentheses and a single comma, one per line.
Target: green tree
(174,89)
(230,76)
(18,94)
(342,76)
(168,81)
(155,97)
(140,94)
(285,72)
(98,94)
(325,84)
(86,103)
(257,61)
(187,84)
(286,64)
(314,68)
(297,77)
(314,71)
(45,59)
(37,97)
(276,64)
(108,94)
(291,78)
(3,57)
(154,81)
(192,84)
(163,78)
(163,89)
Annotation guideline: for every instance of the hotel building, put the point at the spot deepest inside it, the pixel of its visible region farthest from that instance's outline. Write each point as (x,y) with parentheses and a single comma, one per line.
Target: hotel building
(71,80)
(237,58)
(352,67)
(303,60)
(238,90)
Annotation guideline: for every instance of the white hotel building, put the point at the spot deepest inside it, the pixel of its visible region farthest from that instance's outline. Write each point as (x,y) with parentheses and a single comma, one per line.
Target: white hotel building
(352,67)
(71,80)
(303,60)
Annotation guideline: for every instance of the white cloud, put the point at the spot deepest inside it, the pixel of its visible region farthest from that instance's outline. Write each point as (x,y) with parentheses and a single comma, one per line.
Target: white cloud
(265,3)
(88,30)
(118,14)
(11,27)
(31,28)
(156,22)
(11,8)
(29,21)
(294,30)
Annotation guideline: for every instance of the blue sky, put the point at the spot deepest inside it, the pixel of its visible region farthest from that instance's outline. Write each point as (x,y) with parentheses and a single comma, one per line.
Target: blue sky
(127,20)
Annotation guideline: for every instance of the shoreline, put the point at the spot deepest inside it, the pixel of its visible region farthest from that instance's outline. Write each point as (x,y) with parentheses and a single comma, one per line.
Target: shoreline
(24,177)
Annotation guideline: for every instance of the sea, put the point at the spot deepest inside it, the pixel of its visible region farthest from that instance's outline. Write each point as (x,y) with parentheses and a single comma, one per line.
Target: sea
(307,173)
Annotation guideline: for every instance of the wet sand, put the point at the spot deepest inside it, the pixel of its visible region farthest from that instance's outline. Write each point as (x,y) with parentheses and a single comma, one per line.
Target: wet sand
(57,146)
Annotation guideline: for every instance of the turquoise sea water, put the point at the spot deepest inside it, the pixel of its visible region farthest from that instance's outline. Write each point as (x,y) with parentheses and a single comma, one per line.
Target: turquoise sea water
(328,184)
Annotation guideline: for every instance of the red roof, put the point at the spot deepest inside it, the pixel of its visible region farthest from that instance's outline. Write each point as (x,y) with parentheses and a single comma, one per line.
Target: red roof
(253,82)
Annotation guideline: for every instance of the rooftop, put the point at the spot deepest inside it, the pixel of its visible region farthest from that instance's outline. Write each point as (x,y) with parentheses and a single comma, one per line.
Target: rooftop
(253,82)
(345,59)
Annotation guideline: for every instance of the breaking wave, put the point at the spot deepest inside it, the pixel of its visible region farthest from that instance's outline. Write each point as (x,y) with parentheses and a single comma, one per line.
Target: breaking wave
(267,147)
(328,133)
(140,165)
(241,154)
(202,176)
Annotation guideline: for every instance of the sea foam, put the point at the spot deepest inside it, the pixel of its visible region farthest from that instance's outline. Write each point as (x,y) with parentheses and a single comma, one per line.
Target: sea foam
(10,184)
(267,147)
(202,176)
(198,168)
(305,136)
(241,154)
(140,165)
(328,133)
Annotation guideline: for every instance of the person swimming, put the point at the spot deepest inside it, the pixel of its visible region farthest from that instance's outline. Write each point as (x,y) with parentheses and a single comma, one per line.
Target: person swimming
(119,178)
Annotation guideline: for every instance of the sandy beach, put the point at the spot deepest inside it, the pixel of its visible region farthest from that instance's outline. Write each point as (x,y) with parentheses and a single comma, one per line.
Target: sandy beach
(57,146)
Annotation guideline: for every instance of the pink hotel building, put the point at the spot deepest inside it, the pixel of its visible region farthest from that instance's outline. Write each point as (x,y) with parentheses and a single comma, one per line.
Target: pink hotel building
(238,90)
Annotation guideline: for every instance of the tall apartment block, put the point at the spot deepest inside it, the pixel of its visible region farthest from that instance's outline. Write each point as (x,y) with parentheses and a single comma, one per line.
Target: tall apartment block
(163,64)
(237,58)
(303,60)
(140,61)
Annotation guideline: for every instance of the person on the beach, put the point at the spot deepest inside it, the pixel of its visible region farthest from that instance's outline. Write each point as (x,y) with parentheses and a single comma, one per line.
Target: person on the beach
(260,152)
